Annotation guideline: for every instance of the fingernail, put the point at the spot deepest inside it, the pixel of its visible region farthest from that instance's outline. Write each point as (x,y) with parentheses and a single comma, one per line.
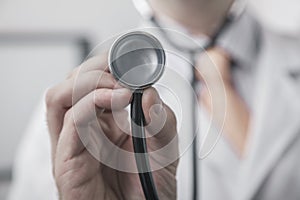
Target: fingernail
(121,90)
(158,108)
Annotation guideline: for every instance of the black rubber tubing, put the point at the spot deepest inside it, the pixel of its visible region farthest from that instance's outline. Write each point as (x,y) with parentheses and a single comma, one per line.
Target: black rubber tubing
(140,147)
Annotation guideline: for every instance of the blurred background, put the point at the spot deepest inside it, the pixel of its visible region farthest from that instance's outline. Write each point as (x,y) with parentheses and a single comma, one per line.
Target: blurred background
(42,40)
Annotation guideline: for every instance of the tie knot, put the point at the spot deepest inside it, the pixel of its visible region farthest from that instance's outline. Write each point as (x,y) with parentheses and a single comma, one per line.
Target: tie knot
(213,67)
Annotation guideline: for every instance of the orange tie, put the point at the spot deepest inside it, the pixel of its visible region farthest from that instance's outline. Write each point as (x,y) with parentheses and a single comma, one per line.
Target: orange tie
(219,97)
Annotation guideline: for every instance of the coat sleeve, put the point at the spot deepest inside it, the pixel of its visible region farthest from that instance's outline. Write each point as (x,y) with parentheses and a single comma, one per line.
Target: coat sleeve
(32,170)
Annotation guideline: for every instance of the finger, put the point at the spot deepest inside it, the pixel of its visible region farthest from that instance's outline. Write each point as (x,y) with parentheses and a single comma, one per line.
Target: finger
(81,120)
(112,99)
(61,97)
(95,63)
(99,62)
(56,111)
(118,123)
(160,120)
(163,144)
(102,98)
(71,91)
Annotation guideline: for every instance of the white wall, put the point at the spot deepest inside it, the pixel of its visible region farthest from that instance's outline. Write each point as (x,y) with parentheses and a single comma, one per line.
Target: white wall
(280,15)
(25,72)
(99,17)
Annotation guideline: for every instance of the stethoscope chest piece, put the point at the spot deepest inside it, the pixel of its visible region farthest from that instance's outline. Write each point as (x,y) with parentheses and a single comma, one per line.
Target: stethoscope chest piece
(137,59)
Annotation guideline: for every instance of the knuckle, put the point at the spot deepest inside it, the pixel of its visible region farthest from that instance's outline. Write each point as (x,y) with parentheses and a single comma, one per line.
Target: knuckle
(99,62)
(170,115)
(102,97)
(50,97)
(73,72)
(58,95)
(69,118)
(151,98)
(104,78)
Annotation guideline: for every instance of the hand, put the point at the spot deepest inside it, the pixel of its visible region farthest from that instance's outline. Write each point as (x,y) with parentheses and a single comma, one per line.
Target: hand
(77,173)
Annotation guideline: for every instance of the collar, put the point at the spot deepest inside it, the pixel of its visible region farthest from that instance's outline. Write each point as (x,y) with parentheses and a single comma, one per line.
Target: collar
(241,40)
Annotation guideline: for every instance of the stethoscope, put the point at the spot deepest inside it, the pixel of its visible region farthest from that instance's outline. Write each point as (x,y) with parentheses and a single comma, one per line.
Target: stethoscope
(137,60)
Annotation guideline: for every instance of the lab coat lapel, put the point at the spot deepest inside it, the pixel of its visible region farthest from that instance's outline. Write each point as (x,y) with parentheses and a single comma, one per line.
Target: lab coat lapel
(276,125)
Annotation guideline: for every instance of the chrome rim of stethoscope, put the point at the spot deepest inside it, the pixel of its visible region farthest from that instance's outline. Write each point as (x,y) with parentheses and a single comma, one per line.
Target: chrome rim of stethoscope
(138,45)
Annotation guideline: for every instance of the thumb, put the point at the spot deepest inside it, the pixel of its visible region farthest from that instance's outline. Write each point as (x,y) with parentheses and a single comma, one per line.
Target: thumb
(161,125)
(160,119)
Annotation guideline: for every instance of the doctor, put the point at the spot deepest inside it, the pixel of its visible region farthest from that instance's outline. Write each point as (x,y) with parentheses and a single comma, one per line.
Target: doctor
(257,155)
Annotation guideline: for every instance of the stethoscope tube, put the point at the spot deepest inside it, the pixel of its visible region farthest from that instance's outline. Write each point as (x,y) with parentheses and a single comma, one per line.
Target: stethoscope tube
(194,126)
(140,146)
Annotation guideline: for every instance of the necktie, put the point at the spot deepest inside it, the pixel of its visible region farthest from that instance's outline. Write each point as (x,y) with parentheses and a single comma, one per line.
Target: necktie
(220,99)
